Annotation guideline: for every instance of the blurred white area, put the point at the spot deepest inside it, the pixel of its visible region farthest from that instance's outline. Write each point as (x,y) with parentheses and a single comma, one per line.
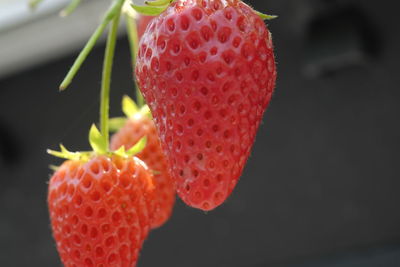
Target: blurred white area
(17,12)
(28,38)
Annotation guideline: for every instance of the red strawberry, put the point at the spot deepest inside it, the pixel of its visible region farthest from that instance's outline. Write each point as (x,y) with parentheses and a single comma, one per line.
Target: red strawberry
(98,210)
(137,126)
(143,21)
(207,70)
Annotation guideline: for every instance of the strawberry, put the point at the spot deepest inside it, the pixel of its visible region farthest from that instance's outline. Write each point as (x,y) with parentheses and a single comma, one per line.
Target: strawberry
(98,210)
(207,70)
(138,125)
(143,21)
(100,205)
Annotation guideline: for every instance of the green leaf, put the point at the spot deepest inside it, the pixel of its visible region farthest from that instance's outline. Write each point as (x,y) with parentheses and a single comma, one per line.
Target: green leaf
(97,141)
(265,16)
(138,147)
(129,106)
(149,10)
(116,123)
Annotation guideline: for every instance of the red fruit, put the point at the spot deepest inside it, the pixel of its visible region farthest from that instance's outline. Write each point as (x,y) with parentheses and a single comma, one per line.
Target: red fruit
(207,70)
(143,21)
(99,212)
(137,127)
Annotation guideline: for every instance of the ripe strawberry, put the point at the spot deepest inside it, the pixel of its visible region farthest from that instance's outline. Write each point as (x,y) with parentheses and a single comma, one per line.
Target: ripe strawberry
(98,211)
(143,21)
(207,70)
(137,126)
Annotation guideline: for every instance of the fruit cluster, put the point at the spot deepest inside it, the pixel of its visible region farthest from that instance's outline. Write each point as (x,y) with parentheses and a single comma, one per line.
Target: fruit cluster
(206,68)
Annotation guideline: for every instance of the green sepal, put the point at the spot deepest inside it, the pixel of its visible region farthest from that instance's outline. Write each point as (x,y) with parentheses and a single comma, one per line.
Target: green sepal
(149,10)
(135,149)
(130,109)
(158,2)
(86,155)
(138,147)
(97,141)
(54,167)
(145,110)
(115,124)
(129,106)
(65,154)
(120,152)
(265,16)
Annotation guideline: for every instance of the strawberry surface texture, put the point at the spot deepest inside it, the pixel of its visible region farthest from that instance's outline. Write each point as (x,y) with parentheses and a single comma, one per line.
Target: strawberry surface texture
(207,70)
(99,210)
(138,126)
(142,23)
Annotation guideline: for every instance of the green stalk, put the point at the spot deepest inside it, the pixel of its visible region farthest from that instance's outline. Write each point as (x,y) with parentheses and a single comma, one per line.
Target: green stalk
(134,45)
(106,78)
(111,13)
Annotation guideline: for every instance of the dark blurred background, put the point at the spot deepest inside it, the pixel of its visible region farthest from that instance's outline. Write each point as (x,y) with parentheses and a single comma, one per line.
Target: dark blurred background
(321,188)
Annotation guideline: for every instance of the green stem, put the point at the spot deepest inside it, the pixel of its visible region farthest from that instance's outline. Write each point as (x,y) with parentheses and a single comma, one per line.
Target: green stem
(106,79)
(134,45)
(70,8)
(111,13)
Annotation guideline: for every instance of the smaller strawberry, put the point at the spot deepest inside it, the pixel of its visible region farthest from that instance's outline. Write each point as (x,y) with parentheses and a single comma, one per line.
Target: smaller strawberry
(99,205)
(138,125)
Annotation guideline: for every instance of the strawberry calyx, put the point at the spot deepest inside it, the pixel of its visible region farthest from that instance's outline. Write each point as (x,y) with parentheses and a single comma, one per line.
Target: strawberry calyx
(265,16)
(116,123)
(99,147)
(66,154)
(155,8)
(158,2)
(131,110)
(152,8)
(149,10)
